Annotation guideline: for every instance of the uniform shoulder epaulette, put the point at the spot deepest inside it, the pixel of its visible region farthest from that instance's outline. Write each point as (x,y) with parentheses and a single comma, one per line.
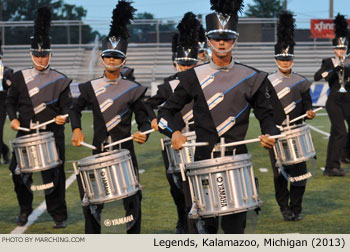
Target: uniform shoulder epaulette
(53,69)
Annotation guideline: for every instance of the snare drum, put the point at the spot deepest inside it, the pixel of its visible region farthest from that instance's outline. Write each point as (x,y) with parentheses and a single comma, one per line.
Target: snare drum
(224,185)
(187,153)
(295,147)
(108,176)
(36,152)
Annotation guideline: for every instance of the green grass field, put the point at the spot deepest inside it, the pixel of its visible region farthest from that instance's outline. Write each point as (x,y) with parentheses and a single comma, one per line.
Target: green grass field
(325,206)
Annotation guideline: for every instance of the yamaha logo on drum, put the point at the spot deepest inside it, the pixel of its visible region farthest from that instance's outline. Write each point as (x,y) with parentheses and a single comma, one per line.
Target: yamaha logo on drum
(222,191)
(105,183)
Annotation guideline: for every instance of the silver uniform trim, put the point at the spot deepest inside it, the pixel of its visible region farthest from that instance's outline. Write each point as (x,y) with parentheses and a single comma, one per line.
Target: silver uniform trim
(222,31)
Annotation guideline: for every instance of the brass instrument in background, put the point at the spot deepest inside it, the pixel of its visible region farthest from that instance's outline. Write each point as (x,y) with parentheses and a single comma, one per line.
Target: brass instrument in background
(341,75)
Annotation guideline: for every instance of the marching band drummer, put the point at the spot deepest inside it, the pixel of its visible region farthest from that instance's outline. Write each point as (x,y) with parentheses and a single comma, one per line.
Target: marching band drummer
(113,99)
(4,86)
(185,50)
(40,94)
(336,71)
(223,107)
(295,102)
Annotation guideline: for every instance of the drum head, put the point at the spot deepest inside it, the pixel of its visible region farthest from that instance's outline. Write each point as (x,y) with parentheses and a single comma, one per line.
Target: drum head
(39,182)
(122,216)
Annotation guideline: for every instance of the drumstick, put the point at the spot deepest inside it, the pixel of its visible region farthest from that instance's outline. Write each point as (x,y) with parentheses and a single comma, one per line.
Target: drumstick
(302,116)
(249,141)
(23,129)
(48,122)
(195,144)
(127,139)
(88,145)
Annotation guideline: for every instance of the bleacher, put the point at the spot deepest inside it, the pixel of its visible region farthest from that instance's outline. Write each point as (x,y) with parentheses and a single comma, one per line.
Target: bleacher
(152,62)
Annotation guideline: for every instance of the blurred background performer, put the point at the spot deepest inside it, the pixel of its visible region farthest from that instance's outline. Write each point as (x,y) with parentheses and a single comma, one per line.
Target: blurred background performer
(289,201)
(185,51)
(53,100)
(4,86)
(115,121)
(203,54)
(242,88)
(336,71)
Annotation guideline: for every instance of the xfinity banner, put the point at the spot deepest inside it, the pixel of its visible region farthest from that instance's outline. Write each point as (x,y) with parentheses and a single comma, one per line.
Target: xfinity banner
(319,93)
(322,28)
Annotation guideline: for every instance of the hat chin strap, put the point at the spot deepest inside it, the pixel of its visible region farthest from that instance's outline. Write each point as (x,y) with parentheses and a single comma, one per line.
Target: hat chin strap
(284,68)
(114,67)
(37,64)
(221,51)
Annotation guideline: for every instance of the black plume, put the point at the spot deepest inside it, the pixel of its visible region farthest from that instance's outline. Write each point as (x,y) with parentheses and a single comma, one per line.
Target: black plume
(227,7)
(285,29)
(341,26)
(201,34)
(188,29)
(42,23)
(175,42)
(123,14)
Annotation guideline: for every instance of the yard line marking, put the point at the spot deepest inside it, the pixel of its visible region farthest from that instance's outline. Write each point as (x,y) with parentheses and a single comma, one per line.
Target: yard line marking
(319,131)
(141,171)
(263,169)
(39,210)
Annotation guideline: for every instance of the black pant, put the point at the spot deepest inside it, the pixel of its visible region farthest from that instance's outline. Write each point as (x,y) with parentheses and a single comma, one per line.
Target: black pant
(338,111)
(3,147)
(55,201)
(176,192)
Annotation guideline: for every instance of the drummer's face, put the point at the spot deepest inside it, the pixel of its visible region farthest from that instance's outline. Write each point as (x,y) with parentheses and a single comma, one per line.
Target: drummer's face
(285,64)
(339,52)
(110,61)
(42,61)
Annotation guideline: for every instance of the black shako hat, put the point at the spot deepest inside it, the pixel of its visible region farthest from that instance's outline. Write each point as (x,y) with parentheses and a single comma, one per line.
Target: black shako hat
(341,32)
(223,23)
(284,49)
(202,45)
(41,40)
(116,44)
(187,48)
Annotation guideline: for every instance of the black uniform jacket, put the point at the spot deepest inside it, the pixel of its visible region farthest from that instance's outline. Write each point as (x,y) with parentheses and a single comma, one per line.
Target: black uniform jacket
(223,109)
(54,95)
(332,76)
(133,103)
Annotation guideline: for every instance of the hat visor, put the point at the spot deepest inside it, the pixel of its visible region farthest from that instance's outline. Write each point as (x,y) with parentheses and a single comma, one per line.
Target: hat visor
(222,36)
(113,54)
(340,47)
(284,58)
(40,53)
(187,62)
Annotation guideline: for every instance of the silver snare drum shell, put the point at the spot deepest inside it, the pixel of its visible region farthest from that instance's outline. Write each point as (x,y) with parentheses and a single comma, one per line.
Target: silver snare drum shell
(295,147)
(108,176)
(187,153)
(36,152)
(223,185)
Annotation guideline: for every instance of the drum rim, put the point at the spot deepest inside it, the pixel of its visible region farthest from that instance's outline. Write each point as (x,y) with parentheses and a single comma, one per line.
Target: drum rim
(39,169)
(117,197)
(257,204)
(32,138)
(93,160)
(187,134)
(299,128)
(217,161)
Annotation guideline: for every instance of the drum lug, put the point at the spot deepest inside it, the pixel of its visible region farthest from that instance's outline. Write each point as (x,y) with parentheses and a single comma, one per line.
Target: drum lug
(193,214)
(17,170)
(85,201)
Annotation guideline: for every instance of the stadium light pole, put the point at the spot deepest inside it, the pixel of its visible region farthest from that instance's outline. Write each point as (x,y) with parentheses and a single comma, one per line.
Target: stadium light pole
(331,9)
(285,5)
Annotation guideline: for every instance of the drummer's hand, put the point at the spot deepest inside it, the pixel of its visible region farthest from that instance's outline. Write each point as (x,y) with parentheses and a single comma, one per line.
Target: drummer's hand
(177,140)
(15,124)
(60,120)
(77,137)
(154,124)
(267,142)
(139,137)
(310,114)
